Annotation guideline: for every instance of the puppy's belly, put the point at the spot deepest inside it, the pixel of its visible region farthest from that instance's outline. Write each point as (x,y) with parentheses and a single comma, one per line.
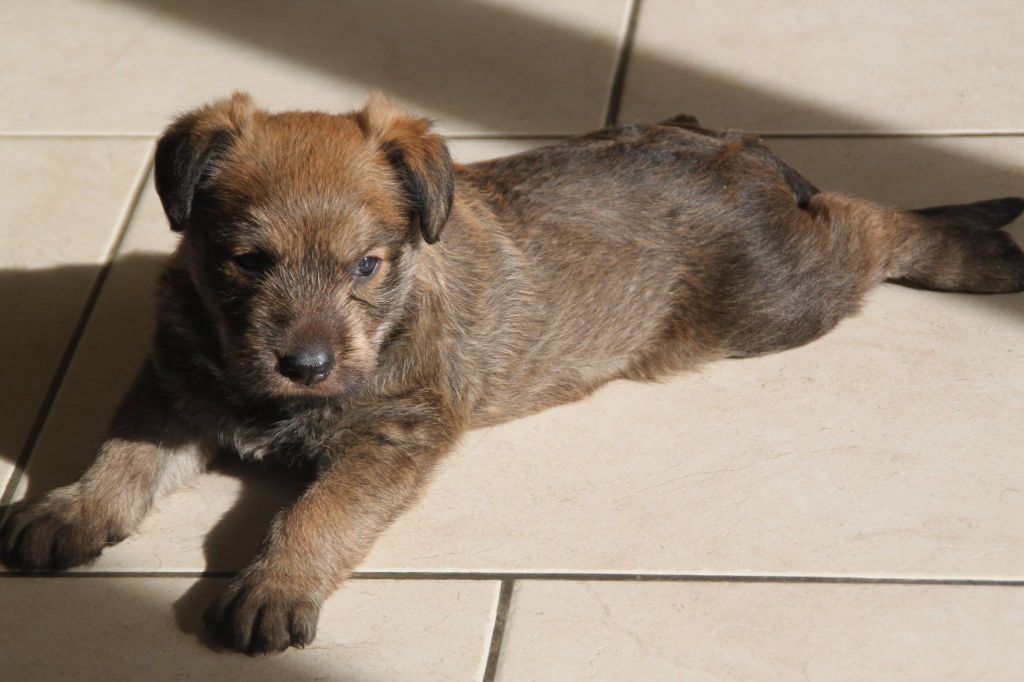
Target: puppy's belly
(546,387)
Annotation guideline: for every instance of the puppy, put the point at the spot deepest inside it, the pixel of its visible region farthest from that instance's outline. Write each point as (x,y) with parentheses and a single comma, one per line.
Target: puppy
(343,294)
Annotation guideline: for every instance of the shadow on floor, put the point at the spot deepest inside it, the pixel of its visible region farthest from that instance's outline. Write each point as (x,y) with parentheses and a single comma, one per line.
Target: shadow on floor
(123,629)
(450,57)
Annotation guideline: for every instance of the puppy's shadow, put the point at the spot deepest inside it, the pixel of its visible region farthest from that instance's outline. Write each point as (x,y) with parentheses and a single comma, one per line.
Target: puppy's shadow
(190,607)
(229,546)
(71,340)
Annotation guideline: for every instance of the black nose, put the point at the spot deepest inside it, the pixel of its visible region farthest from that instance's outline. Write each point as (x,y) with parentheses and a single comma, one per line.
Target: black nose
(309,365)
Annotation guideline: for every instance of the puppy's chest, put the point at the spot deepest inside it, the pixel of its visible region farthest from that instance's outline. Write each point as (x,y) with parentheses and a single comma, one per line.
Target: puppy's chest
(294,440)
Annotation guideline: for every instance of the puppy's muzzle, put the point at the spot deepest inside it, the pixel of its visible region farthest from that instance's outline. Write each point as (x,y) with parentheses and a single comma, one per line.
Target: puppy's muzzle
(308,365)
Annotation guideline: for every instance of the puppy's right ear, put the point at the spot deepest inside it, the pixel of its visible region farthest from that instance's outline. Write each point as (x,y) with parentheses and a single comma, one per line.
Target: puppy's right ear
(188,151)
(419,159)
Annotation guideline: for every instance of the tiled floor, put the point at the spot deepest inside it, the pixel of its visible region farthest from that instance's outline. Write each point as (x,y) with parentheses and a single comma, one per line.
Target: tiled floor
(850,510)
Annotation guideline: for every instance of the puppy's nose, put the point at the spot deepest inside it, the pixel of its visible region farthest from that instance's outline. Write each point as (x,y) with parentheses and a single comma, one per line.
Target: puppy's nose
(309,365)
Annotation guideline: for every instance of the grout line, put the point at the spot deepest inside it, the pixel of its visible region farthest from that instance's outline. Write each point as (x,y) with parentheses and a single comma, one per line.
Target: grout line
(680,577)
(117,574)
(574,577)
(769,135)
(899,134)
(506,136)
(613,110)
(498,633)
(77,135)
(454,135)
(774,135)
(77,332)
(611,115)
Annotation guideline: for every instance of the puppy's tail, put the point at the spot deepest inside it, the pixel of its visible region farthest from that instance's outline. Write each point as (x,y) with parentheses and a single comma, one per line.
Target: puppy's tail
(946,248)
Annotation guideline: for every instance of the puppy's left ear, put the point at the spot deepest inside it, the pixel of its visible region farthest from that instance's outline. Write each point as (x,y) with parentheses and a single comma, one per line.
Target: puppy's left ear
(419,157)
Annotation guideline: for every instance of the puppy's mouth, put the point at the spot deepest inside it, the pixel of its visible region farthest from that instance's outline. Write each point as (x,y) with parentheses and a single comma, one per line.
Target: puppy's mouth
(265,378)
(285,382)
(314,368)
(314,380)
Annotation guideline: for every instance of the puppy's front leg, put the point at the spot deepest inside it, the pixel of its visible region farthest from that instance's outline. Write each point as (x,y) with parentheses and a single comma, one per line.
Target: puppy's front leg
(314,545)
(146,452)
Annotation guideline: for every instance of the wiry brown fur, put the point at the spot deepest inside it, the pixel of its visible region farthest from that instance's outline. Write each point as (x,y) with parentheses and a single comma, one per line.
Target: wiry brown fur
(628,253)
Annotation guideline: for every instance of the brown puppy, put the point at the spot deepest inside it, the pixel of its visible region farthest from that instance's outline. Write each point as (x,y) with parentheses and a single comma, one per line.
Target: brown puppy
(311,311)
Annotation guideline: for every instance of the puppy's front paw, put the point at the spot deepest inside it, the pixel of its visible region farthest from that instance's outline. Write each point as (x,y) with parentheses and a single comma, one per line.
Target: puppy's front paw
(262,615)
(54,532)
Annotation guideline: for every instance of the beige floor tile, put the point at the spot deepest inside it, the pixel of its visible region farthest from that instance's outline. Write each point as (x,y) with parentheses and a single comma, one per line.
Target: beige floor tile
(832,66)
(148,629)
(886,448)
(62,202)
(702,632)
(128,65)
(470,151)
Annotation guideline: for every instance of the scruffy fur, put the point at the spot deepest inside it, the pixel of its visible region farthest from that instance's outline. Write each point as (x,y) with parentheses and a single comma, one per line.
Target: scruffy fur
(502,288)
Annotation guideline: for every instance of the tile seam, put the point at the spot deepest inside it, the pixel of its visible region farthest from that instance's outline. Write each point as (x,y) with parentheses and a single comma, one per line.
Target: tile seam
(571,577)
(75,135)
(498,629)
(527,135)
(621,66)
(885,135)
(78,331)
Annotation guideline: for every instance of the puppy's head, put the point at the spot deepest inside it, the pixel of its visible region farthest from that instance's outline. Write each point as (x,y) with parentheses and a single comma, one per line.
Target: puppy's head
(301,233)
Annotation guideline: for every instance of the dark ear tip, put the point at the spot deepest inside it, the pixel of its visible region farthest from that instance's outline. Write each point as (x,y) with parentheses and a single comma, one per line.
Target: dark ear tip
(182,159)
(431,233)
(168,167)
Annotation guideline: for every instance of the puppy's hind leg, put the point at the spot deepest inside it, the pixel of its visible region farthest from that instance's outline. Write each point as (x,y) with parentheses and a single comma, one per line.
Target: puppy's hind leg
(802,188)
(146,453)
(686,121)
(960,248)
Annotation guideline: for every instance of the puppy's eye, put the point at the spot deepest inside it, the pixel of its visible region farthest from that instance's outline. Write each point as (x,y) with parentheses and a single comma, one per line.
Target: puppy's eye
(252,262)
(367,266)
